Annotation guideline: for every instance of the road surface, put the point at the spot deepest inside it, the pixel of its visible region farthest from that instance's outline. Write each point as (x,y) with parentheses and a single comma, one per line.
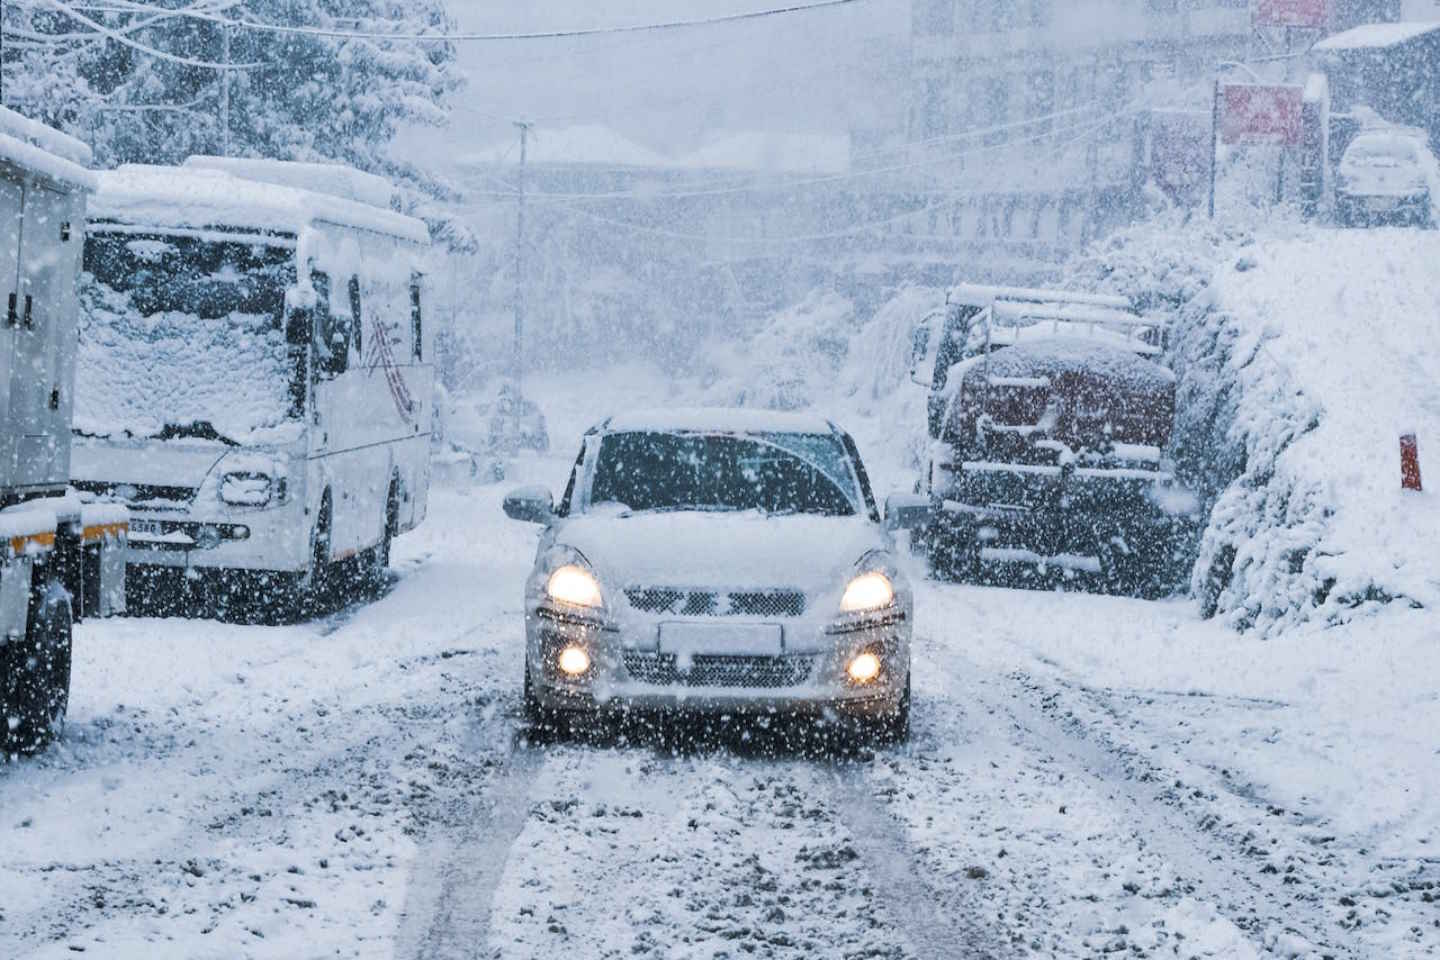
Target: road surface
(363,786)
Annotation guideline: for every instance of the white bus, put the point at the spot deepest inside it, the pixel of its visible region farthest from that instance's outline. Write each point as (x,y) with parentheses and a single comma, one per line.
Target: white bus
(255,375)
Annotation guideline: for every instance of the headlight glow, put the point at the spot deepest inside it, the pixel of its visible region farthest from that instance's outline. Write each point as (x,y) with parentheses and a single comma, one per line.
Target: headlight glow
(869,591)
(864,668)
(573,584)
(574,661)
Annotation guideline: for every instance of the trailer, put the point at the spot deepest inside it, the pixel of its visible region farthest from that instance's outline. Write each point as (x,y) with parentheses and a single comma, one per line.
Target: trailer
(61,557)
(1049,417)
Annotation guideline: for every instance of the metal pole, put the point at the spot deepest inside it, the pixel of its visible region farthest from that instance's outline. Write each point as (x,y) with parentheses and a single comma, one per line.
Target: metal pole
(1214,143)
(520,275)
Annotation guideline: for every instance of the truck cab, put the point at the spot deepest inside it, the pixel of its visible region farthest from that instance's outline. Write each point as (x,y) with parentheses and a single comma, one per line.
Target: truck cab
(61,558)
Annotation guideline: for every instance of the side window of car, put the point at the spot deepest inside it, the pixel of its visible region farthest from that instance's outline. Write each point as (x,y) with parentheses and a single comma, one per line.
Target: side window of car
(355,315)
(416,329)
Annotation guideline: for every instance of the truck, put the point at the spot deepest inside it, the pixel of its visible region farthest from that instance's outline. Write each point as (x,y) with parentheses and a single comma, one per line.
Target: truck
(61,556)
(1049,413)
(257,375)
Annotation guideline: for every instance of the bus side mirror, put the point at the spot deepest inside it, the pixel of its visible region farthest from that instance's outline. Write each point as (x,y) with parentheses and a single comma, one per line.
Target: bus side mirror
(332,344)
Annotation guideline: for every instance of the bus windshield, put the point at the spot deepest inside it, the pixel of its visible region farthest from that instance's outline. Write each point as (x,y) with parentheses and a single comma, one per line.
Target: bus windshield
(181,336)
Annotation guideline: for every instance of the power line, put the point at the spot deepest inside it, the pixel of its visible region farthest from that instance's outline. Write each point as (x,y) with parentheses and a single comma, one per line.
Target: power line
(121,7)
(123,40)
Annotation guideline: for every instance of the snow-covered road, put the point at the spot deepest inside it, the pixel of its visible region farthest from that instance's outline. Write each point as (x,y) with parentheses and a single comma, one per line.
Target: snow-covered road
(363,786)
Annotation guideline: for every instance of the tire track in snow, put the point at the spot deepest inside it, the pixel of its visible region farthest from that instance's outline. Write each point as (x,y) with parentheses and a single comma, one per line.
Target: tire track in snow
(1258,902)
(449,899)
(936,925)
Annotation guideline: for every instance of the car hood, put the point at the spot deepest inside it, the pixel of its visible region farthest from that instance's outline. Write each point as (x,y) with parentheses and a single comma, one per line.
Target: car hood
(745,551)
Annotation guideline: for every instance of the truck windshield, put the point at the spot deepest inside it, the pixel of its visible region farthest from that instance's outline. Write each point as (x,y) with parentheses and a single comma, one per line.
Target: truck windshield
(181,336)
(773,473)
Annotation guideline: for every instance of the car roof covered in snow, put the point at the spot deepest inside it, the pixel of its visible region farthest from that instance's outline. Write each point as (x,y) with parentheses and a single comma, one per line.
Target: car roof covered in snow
(200,199)
(1376,36)
(980,295)
(45,151)
(717,420)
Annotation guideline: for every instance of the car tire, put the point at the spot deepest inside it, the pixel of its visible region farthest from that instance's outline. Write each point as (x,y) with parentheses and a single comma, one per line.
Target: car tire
(542,721)
(36,691)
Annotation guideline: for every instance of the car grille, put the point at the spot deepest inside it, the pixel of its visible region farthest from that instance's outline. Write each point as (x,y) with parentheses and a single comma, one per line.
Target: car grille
(766,673)
(137,494)
(707,603)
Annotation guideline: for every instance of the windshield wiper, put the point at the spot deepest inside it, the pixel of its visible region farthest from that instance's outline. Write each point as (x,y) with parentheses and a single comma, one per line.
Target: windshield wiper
(198,430)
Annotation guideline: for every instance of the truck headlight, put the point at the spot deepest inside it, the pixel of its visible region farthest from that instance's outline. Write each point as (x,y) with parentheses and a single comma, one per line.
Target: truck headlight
(574,584)
(869,591)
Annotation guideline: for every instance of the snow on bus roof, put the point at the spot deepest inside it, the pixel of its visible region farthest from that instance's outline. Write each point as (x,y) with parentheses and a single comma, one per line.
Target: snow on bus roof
(43,150)
(162,196)
(717,419)
(334,179)
(1376,36)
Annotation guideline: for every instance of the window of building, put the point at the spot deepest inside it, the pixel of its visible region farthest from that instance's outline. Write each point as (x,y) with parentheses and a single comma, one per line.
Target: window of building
(416,329)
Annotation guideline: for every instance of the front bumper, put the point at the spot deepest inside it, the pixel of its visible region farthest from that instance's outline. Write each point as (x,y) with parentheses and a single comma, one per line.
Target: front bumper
(269,539)
(629,672)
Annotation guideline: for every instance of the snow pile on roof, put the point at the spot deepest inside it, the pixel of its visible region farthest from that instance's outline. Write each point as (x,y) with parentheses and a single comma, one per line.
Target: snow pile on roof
(586,144)
(797,153)
(44,150)
(1375,36)
(721,419)
(139,374)
(1303,354)
(197,198)
(334,179)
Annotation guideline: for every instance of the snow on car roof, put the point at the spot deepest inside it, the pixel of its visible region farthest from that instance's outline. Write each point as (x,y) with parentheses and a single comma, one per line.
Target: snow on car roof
(164,196)
(1376,36)
(333,179)
(978,295)
(43,150)
(718,419)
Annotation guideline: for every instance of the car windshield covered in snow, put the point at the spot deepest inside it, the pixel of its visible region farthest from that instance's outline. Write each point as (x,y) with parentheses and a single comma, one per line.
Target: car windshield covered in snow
(772,473)
(184,336)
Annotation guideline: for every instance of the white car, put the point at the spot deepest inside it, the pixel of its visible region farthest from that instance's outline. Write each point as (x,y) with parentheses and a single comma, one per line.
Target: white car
(1387,175)
(717,561)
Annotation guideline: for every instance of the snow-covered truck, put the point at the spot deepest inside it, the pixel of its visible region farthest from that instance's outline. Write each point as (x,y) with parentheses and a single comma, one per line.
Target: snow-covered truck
(256,376)
(1049,415)
(61,559)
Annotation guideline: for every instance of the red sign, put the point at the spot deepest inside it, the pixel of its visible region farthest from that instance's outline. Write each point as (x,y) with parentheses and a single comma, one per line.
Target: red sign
(1257,114)
(1291,13)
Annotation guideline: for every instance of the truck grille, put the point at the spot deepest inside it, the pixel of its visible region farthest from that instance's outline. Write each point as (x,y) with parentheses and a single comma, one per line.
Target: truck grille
(708,603)
(765,673)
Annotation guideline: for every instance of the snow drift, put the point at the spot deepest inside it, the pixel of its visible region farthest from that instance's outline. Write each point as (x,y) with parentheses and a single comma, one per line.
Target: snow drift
(1303,353)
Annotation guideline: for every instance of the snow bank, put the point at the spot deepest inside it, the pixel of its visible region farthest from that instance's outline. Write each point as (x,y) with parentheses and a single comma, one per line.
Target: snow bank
(1303,353)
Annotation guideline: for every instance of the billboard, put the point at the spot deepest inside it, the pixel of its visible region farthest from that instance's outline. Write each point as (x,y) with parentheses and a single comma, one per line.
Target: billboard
(1261,114)
(1292,13)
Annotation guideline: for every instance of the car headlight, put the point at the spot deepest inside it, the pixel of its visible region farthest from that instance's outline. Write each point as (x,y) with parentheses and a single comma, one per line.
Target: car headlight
(869,591)
(574,584)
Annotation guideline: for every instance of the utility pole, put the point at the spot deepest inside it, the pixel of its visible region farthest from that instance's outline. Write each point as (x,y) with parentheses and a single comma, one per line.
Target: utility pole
(225,94)
(520,275)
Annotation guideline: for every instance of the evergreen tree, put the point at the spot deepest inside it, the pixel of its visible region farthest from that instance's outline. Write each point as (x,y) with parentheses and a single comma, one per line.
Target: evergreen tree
(297,97)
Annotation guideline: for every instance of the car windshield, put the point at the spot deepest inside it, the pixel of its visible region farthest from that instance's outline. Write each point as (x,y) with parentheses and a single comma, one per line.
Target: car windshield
(183,336)
(772,473)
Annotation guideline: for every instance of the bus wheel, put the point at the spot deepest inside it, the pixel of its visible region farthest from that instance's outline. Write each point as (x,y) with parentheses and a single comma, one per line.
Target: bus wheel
(36,690)
(378,557)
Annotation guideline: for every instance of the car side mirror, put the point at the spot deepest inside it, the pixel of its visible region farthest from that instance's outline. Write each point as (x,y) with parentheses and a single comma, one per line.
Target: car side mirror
(907,511)
(530,505)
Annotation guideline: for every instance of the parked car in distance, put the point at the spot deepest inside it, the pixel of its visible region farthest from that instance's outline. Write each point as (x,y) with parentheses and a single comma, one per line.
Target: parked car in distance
(1387,176)
(716,561)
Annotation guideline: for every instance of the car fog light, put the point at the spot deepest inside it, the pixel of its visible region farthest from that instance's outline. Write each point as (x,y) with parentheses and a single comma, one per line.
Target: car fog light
(574,661)
(864,668)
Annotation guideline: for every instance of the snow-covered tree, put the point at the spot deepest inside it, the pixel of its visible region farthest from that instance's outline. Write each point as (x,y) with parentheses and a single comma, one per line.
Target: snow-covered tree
(134,78)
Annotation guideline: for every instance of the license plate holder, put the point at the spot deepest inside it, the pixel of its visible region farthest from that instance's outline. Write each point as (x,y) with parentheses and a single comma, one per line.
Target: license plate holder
(722,639)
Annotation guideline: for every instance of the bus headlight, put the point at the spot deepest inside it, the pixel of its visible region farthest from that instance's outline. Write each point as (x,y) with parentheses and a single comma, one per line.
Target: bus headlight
(244,488)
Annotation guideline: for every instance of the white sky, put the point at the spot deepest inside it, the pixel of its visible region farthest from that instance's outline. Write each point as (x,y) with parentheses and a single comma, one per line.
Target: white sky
(796,72)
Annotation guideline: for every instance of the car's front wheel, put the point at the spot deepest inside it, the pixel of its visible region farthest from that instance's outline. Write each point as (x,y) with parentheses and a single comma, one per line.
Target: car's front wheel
(892,726)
